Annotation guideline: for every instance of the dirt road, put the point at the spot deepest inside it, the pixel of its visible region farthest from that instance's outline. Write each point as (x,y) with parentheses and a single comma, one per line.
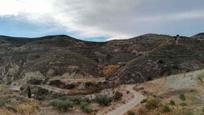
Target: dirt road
(122,109)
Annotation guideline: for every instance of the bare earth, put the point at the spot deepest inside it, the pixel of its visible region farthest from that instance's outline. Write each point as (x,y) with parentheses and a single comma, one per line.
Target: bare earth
(122,109)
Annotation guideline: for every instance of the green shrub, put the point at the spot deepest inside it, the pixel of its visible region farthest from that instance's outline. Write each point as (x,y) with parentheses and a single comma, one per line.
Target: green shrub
(85,107)
(203,109)
(165,109)
(104,100)
(152,103)
(182,97)
(172,102)
(117,96)
(62,105)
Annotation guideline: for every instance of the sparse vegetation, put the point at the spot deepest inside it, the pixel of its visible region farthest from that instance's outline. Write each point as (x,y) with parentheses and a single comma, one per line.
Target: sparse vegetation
(152,103)
(62,105)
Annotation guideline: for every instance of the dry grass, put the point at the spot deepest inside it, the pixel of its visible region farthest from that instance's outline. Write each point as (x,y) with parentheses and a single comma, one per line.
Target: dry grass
(109,70)
(27,108)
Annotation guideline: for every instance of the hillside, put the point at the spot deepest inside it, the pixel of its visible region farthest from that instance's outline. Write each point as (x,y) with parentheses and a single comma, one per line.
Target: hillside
(137,59)
(64,68)
(180,94)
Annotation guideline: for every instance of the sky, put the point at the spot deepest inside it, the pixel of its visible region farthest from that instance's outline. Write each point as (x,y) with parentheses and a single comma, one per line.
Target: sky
(100,20)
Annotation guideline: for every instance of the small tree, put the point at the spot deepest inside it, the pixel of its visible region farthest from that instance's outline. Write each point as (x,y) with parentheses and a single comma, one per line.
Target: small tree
(29,92)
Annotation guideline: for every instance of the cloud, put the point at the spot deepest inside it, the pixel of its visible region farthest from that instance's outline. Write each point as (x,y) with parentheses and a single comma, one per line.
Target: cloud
(114,18)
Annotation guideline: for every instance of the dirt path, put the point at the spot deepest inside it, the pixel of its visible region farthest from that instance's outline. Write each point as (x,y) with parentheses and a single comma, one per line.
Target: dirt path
(122,109)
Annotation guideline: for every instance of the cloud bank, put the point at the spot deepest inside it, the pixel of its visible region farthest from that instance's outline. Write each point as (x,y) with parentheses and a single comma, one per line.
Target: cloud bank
(115,19)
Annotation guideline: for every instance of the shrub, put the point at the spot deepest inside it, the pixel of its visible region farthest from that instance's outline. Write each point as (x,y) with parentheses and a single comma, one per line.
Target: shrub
(109,70)
(131,113)
(104,100)
(85,107)
(117,96)
(172,102)
(166,109)
(62,105)
(152,103)
(182,97)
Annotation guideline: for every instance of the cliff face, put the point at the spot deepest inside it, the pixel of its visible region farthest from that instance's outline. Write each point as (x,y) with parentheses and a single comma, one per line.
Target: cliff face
(125,61)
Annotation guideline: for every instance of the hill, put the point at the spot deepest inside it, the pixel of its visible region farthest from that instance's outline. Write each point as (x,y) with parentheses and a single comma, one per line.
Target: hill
(135,60)
(61,68)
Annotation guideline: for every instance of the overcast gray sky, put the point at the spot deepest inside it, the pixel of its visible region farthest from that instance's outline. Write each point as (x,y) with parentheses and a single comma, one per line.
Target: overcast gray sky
(99,20)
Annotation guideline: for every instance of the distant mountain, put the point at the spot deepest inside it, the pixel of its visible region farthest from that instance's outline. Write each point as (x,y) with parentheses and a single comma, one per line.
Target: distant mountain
(122,61)
(199,36)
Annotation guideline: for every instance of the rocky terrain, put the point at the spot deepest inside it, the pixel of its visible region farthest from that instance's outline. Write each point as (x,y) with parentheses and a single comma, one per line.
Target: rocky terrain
(57,66)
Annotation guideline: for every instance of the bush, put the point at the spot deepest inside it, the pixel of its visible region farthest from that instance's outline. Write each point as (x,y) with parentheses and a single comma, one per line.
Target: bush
(152,103)
(103,100)
(131,113)
(117,96)
(182,97)
(166,109)
(62,105)
(85,107)
(172,102)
